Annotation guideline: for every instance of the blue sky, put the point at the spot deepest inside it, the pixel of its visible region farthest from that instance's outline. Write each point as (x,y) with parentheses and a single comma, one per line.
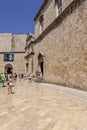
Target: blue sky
(17,16)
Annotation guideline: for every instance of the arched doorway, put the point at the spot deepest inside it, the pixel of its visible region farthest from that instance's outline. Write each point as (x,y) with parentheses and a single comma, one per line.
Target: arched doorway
(41,63)
(8,68)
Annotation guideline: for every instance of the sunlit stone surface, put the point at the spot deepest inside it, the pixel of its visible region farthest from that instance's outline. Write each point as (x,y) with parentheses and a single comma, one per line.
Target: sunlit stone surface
(40,106)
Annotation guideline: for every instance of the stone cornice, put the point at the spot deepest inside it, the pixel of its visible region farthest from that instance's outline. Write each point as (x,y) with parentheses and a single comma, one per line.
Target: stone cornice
(12,52)
(69,10)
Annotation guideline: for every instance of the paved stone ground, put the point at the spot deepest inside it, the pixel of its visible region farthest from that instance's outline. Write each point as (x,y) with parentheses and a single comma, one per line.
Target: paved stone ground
(41,106)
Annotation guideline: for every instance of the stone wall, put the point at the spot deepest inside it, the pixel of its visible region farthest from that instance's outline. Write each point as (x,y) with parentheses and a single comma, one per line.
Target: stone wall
(19,63)
(15,44)
(65,49)
(5,42)
(19,41)
(49,12)
(66,3)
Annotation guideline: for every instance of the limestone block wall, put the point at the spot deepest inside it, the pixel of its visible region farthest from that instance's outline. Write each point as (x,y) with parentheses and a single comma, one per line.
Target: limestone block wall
(10,42)
(65,3)
(1,63)
(5,42)
(65,50)
(19,63)
(19,41)
(15,44)
(50,13)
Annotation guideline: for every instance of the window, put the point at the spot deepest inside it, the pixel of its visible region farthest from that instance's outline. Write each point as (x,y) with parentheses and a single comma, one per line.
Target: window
(59,6)
(41,21)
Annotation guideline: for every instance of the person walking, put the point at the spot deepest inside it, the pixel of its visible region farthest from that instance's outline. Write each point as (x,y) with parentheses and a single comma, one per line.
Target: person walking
(30,77)
(3,79)
(10,84)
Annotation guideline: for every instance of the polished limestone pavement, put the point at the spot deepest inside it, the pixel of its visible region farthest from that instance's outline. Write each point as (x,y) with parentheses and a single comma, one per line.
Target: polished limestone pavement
(42,106)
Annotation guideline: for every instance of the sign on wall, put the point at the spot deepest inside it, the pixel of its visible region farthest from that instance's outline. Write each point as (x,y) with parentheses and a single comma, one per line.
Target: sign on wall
(9,57)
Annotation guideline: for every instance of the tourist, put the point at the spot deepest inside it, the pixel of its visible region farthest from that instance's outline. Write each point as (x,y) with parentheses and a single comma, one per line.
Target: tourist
(3,79)
(10,84)
(15,76)
(30,77)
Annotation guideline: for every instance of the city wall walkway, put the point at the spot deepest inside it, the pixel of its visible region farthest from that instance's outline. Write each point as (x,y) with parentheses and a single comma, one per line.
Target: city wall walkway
(42,106)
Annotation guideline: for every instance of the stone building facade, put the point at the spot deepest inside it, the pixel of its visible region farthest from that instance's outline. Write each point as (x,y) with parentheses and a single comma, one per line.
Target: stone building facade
(29,52)
(61,35)
(12,52)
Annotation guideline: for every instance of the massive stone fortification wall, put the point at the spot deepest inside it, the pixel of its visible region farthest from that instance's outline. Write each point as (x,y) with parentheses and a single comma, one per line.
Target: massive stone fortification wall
(19,42)
(65,50)
(15,44)
(12,43)
(5,42)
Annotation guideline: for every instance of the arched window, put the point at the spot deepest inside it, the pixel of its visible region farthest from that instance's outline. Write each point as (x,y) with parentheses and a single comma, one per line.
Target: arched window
(41,62)
(41,21)
(59,6)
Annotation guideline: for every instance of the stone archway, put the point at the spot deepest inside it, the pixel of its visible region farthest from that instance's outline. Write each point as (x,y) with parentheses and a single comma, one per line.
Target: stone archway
(8,68)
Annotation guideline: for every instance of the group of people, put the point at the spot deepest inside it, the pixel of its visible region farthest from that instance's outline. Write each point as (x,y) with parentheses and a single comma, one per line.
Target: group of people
(30,77)
(7,80)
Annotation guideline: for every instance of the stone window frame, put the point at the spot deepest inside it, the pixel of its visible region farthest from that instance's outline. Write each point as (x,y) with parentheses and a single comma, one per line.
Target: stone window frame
(59,6)
(41,23)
